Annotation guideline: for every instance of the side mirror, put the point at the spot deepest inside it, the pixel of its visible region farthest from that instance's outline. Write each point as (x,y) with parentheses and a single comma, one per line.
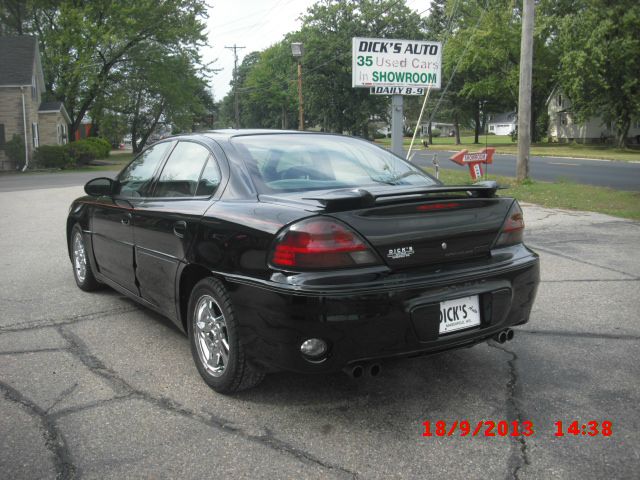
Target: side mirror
(99,187)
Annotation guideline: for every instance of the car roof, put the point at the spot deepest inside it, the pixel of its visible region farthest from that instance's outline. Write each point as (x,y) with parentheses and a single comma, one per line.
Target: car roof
(226,134)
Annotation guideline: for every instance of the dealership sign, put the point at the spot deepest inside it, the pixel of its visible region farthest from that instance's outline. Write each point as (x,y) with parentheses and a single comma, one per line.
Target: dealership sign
(397,90)
(379,62)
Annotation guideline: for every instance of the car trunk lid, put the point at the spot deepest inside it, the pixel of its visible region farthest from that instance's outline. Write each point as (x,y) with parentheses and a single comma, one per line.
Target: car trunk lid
(410,227)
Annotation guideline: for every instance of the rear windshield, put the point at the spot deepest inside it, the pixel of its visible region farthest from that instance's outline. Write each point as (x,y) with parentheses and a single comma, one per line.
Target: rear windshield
(300,162)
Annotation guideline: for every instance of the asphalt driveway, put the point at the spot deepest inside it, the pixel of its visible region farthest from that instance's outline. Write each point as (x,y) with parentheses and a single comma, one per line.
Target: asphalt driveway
(94,386)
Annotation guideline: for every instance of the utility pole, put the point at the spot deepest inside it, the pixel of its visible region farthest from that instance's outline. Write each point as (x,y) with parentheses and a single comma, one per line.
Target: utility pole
(300,102)
(524,98)
(236,107)
(397,125)
(297,50)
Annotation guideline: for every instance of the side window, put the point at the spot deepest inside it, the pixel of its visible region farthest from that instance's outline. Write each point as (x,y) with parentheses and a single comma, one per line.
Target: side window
(182,171)
(138,175)
(210,179)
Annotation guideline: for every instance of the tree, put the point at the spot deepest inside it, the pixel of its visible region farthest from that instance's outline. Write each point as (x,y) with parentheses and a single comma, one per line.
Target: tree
(269,92)
(84,43)
(600,58)
(436,26)
(227,105)
(483,52)
(154,86)
(13,15)
(328,27)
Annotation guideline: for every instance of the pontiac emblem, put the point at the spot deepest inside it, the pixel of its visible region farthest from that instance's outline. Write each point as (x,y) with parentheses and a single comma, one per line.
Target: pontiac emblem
(444,245)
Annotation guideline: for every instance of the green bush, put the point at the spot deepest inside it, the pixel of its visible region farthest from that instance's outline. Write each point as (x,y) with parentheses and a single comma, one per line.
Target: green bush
(514,134)
(435,132)
(52,156)
(103,145)
(82,152)
(14,149)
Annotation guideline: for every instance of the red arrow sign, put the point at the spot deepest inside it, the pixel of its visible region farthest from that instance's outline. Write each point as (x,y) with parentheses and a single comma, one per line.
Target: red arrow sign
(474,160)
(463,157)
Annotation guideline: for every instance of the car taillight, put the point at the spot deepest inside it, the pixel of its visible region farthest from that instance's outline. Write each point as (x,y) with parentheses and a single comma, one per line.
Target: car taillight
(512,228)
(320,243)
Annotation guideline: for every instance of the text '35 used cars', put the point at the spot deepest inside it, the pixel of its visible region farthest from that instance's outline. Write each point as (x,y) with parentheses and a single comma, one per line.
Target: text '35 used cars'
(305,252)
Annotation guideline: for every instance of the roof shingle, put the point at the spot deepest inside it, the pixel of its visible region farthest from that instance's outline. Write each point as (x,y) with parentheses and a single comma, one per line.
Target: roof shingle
(17,60)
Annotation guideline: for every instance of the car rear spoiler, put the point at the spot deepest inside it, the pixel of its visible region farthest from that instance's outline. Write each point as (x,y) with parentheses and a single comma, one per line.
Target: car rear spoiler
(338,200)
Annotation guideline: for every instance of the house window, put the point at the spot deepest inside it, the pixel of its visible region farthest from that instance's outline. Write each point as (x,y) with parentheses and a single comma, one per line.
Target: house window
(35,135)
(2,137)
(492,128)
(64,134)
(34,88)
(563,118)
(559,100)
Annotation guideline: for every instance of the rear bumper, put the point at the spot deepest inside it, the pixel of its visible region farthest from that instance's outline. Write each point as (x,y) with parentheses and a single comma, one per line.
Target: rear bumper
(365,322)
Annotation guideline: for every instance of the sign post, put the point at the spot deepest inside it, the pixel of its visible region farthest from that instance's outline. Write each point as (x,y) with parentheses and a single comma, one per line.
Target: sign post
(397,122)
(395,67)
(474,160)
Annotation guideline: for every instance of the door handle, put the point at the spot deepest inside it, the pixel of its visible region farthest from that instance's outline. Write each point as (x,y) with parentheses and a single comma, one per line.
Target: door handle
(126,219)
(180,228)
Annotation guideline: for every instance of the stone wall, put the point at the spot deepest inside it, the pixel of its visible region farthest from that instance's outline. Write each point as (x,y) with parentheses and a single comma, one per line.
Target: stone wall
(11,118)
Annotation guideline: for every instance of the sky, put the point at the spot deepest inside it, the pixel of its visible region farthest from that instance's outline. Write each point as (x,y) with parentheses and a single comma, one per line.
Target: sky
(255,25)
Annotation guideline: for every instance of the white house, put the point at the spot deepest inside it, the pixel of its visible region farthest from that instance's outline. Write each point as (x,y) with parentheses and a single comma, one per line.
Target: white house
(502,123)
(564,127)
(446,129)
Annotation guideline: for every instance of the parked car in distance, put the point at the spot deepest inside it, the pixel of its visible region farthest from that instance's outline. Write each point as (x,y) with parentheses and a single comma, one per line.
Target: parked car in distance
(306,252)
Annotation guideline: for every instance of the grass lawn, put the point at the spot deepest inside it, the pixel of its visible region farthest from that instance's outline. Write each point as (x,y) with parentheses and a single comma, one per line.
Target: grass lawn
(503,144)
(567,195)
(115,163)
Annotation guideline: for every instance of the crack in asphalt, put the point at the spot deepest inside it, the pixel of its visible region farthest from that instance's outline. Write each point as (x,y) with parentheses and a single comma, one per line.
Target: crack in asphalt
(53,439)
(584,262)
(565,333)
(276,444)
(63,395)
(78,348)
(125,391)
(519,457)
(48,323)
(35,350)
(64,412)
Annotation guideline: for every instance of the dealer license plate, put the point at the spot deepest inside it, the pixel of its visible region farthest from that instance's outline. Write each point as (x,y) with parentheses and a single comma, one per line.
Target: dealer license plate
(459,314)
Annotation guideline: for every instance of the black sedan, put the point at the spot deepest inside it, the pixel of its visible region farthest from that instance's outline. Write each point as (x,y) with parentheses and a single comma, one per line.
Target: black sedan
(306,252)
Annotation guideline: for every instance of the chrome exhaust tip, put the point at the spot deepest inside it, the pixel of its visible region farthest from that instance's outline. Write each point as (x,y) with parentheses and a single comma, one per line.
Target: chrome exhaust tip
(374,369)
(354,371)
(510,334)
(501,337)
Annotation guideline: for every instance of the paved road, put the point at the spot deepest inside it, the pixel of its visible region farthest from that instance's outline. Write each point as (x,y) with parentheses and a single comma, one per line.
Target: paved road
(94,386)
(32,181)
(604,173)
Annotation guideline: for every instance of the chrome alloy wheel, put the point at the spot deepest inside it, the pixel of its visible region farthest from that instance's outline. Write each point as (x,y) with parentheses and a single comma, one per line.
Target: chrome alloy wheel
(79,257)
(212,341)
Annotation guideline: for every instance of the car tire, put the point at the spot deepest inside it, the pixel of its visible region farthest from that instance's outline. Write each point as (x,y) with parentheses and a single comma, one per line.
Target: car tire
(215,341)
(82,271)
